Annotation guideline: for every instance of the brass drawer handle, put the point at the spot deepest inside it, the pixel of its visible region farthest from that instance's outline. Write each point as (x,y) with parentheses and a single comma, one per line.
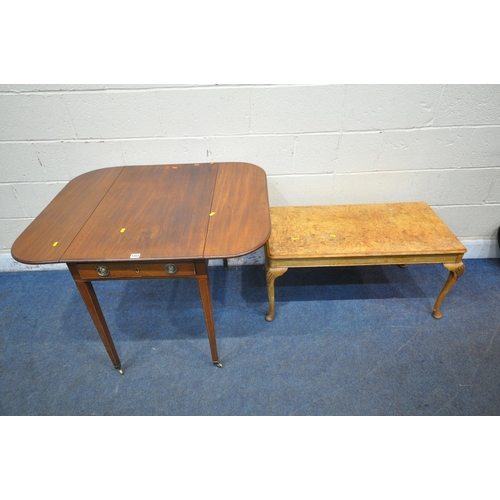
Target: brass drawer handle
(171,268)
(102,271)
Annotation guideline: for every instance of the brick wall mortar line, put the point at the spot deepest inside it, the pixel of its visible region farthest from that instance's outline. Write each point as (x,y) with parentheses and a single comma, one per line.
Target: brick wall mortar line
(253,135)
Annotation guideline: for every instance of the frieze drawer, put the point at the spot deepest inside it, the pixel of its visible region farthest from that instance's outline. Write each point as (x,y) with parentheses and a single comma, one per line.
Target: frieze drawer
(121,270)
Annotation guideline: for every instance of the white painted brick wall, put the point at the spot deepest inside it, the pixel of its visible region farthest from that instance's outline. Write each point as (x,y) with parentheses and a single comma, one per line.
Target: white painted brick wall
(463,105)
(274,153)
(383,107)
(319,144)
(300,109)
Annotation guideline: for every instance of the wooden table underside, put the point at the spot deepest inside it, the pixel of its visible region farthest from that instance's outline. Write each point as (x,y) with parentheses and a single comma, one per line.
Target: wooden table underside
(360,235)
(160,221)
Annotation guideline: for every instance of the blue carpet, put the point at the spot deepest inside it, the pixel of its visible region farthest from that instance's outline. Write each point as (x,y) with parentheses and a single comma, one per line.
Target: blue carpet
(345,341)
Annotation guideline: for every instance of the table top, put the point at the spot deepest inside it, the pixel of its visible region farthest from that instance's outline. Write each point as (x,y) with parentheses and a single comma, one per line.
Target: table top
(157,212)
(391,229)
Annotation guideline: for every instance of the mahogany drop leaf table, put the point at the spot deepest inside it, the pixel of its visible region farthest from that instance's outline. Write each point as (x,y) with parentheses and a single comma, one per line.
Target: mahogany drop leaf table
(159,221)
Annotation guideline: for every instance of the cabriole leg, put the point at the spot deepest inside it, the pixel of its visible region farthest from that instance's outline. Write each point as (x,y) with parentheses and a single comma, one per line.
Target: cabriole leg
(271,274)
(456,270)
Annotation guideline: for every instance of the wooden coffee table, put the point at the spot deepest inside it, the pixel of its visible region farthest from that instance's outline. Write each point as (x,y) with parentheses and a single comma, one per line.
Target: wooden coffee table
(360,235)
(161,221)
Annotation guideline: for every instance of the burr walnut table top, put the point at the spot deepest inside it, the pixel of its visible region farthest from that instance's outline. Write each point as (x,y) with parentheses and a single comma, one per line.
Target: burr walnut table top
(360,235)
(372,233)
(147,213)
